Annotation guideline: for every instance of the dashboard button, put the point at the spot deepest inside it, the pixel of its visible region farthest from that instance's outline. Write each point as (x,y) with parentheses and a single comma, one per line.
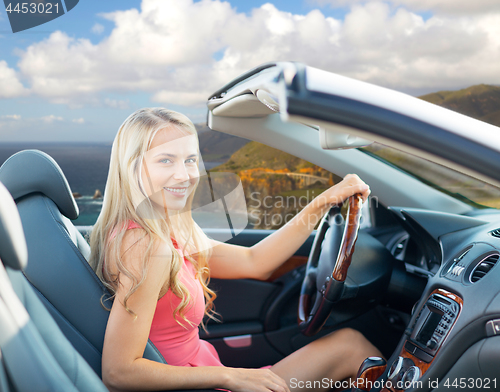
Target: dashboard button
(421,354)
(432,343)
(410,347)
(410,377)
(493,327)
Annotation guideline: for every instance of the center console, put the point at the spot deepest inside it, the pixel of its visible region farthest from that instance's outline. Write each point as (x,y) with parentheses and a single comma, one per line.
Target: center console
(426,336)
(424,339)
(432,326)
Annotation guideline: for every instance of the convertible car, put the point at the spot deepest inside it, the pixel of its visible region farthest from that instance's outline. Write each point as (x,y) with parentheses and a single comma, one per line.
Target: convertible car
(418,279)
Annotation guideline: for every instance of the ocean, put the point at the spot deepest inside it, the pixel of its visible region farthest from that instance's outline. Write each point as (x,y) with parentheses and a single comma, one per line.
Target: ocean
(85,166)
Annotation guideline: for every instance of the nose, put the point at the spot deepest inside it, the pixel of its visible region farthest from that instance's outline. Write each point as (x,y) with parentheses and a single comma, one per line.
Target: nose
(181,172)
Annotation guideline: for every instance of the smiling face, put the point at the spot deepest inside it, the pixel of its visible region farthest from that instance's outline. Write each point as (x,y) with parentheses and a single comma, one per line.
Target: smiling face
(170,168)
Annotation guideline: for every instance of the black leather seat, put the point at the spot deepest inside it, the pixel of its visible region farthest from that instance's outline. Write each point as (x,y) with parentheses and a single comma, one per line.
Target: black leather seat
(39,354)
(57,268)
(34,352)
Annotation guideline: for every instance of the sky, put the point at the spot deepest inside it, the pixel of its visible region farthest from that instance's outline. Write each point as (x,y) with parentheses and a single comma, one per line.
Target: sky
(79,76)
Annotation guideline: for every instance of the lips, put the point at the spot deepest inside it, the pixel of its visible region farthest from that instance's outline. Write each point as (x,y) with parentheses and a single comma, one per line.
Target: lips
(177,191)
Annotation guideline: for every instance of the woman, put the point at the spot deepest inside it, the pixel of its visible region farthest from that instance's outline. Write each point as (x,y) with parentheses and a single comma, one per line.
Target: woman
(157,262)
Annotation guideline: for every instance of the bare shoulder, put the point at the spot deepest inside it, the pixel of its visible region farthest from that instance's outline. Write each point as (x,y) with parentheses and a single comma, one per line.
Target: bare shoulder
(134,243)
(140,254)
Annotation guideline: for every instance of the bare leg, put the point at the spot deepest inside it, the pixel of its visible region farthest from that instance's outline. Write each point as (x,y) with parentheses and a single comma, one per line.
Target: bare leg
(334,357)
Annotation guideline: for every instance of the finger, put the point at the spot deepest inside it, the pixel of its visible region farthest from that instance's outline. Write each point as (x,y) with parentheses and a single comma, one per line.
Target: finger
(366,194)
(358,188)
(277,387)
(352,181)
(351,176)
(275,379)
(285,384)
(282,382)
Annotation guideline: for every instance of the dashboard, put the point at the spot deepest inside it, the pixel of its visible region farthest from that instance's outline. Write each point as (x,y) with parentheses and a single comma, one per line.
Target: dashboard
(454,331)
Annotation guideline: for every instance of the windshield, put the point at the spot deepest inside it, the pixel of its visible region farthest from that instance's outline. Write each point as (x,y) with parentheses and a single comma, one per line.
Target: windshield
(461,186)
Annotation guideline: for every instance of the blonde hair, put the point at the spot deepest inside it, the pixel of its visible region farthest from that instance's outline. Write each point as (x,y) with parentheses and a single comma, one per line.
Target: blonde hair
(125,199)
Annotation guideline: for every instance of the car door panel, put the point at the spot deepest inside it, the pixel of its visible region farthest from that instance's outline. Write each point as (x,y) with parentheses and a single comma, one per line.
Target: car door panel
(242,299)
(255,352)
(250,308)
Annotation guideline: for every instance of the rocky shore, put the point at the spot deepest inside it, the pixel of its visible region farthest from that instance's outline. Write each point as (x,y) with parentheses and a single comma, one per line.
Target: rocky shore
(97,194)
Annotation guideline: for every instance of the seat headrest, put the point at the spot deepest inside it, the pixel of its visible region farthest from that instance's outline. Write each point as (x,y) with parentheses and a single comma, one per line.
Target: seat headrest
(31,171)
(13,249)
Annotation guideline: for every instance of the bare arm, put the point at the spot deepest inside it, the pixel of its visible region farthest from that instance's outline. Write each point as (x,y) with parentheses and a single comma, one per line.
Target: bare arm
(259,261)
(123,367)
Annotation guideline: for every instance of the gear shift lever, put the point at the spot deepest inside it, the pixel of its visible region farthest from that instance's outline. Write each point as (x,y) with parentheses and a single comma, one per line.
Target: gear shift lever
(369,371)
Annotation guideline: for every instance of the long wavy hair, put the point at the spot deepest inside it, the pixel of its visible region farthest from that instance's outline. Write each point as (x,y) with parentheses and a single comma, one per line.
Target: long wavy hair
(125,199)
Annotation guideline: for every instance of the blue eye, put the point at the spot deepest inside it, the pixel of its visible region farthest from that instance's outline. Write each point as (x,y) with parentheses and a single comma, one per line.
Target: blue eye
(166,160)
(191,160)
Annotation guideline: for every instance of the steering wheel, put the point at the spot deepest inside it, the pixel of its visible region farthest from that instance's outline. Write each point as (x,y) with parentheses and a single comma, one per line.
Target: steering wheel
(327,266)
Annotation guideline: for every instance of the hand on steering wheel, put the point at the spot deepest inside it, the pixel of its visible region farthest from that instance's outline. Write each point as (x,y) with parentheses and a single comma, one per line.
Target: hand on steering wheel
(350,185)
(327,266)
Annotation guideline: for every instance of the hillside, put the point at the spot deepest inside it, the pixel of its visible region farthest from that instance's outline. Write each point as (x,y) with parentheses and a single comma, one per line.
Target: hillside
(256,155)
(481,102)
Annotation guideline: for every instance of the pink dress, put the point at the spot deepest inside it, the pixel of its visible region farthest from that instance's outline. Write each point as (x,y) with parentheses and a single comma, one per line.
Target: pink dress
(181,345)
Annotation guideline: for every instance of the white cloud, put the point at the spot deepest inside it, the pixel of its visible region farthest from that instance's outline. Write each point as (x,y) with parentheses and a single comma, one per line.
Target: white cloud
(51,118)
(180,51)
(11,117)
(449,7)
(116,103)
(10,86)
(186,98)
(51,128)
(97,29)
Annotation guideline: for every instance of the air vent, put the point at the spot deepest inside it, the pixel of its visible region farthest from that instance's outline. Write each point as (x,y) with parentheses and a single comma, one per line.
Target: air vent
(495,233)
(483,268)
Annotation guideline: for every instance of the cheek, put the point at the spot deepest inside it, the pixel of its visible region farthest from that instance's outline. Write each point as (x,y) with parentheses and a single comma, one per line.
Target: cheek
(157,178)
(194,175)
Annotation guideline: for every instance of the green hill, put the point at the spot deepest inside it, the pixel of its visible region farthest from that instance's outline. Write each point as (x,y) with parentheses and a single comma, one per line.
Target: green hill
(481,102)
(257,155)
(242,154)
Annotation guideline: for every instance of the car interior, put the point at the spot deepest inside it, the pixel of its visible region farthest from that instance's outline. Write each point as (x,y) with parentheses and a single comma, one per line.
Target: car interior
(421,285)
(446,281)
